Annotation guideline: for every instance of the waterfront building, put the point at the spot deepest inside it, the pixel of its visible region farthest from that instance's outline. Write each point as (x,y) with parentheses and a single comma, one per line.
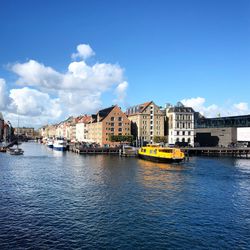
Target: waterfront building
(147,122)
(52,131)
(24,131)
(107,122)
(1,126)
(222,131)
(8,131)
(180,124)
(81,128)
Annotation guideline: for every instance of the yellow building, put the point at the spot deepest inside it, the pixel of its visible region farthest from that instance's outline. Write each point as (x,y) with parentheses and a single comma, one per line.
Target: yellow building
(147,121)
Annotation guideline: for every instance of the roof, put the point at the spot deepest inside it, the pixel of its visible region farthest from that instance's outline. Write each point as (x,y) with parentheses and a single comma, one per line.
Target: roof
(138,108)
(101,114)
(84,119)
(180,110)
(104,112)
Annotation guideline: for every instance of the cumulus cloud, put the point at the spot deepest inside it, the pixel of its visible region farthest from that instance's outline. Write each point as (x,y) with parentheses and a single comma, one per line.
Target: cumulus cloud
(31,102)
(2,93)
(32,73)
(121,91)
(48,93)
(84,51)
(5,100)
(199,104)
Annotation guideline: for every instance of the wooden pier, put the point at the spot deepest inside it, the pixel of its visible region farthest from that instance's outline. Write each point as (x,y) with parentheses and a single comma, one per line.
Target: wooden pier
(218,151)
(88,150)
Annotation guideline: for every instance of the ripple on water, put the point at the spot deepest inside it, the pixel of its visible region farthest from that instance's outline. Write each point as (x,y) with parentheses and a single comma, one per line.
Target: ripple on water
(68,201)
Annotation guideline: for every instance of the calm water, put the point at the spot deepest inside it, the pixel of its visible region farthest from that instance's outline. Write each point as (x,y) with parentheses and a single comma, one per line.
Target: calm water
(54,200)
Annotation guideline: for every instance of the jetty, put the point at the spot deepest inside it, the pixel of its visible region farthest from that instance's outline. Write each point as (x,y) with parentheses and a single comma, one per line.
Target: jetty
(236,152)
(121,151)
(93,150)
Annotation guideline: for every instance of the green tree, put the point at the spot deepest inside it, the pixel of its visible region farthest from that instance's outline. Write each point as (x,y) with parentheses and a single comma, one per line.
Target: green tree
(121,138)
(160,139)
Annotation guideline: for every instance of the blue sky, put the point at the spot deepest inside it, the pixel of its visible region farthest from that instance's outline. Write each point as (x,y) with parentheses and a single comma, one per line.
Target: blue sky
(168,50)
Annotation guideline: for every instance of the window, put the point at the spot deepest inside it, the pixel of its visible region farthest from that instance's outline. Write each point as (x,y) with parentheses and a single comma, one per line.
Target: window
(177,132)
(119,133)
(189,132)
(119,124)
(112,118)
(112,124)
(112,129)
(119,129)
(119,119)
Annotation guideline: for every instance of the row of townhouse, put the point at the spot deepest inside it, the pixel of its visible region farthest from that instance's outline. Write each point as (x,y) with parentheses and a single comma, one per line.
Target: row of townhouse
(145,122)
(91,128)
(6,129)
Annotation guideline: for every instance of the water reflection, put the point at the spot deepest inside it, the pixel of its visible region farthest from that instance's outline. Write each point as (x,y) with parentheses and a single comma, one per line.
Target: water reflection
(161,175)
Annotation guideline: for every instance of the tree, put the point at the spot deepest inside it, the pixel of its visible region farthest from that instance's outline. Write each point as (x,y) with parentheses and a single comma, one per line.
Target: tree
(160,139)
(121,138)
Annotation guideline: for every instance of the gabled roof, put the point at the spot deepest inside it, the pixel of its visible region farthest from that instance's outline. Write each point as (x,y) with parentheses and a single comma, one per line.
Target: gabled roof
(84,119)
(138,108)
(104,112)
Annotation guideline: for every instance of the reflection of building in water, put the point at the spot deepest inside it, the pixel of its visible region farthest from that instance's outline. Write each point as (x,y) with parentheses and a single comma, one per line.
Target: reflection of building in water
(162,175)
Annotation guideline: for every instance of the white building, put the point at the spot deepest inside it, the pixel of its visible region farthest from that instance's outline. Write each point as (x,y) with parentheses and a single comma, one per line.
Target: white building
(180,124)
(81,130)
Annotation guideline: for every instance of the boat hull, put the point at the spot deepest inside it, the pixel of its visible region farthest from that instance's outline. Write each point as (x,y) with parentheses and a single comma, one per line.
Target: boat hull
(59,148)
(159,159)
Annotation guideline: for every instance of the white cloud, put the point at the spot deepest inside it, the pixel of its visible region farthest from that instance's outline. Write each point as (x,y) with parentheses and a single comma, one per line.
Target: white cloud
(31,102)
(3,96)
(241,107)
(199,104)
(84,51)
(49,93)
(36,74)
(121,91)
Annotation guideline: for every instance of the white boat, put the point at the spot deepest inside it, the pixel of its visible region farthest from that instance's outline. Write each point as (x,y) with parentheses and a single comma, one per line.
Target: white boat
(60,144)
(50,143)
(15,151)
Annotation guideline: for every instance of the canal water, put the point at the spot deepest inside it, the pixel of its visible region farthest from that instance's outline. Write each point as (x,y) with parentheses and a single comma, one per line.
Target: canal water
(54,200)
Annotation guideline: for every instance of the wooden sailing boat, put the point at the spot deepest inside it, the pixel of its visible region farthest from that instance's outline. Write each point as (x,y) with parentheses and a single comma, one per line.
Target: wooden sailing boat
(17,150)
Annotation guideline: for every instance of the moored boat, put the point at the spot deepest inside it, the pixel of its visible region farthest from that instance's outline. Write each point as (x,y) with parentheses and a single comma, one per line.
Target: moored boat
(161,154)
(15,151)
(60,144)
(50,143)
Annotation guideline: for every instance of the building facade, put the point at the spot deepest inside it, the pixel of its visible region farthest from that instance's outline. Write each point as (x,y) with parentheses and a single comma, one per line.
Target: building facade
(222,131)
(147,122)
(1,126)
(180,124)
(107,122)
(81,128)
(28,132)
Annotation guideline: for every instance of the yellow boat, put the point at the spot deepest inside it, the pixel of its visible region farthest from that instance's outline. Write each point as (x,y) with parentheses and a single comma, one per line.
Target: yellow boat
(161,154)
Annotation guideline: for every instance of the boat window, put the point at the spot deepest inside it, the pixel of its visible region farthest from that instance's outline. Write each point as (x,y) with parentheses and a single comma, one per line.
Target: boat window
(165,150)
